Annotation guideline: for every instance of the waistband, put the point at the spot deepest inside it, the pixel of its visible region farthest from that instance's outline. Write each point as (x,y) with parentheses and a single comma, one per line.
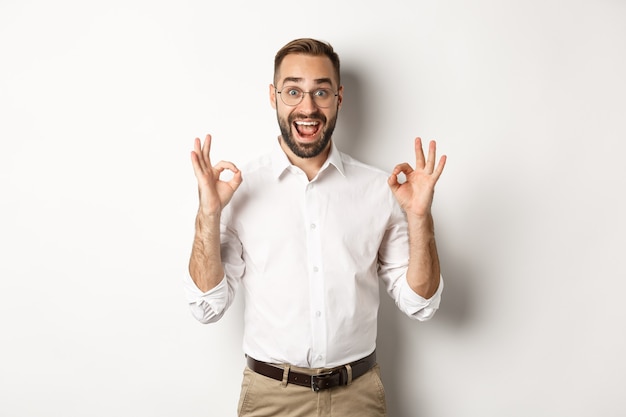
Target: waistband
(324,379)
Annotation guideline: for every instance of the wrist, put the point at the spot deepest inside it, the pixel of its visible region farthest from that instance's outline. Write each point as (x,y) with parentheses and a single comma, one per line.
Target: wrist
(421,227)
(417,218)
(206,219)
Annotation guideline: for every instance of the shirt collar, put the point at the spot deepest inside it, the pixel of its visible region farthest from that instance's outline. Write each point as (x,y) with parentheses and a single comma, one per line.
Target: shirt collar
(280,162)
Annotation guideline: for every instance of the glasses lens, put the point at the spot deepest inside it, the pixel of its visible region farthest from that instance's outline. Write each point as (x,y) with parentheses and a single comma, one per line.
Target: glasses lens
(292,96)
(323,97)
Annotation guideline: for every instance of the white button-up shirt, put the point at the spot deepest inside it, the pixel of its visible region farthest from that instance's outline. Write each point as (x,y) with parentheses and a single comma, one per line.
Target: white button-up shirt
(308,256)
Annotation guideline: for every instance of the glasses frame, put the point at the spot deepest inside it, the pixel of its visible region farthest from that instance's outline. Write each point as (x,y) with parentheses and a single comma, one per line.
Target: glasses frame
(334,94)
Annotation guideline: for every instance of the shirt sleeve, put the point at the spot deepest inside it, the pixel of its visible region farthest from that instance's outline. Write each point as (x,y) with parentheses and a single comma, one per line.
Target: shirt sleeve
(207,307)
(210,306)
(393,263)
(416,306)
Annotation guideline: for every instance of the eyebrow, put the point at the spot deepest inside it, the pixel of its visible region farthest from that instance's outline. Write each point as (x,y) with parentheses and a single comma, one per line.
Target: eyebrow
(299,80)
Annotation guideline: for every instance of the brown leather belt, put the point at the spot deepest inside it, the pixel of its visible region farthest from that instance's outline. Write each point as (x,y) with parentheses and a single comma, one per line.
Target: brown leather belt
(324,380)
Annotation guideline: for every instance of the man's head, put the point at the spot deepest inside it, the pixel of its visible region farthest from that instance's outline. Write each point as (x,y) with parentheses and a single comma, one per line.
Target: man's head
(307,95)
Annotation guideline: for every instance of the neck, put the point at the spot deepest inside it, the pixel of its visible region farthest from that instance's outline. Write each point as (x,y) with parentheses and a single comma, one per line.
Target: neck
(310,166)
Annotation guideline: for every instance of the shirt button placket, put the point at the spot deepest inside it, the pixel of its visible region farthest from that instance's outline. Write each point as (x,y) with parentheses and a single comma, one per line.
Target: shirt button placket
(316,279)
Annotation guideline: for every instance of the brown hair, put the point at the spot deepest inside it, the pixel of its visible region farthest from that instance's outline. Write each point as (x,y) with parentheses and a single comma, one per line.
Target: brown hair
(307,46)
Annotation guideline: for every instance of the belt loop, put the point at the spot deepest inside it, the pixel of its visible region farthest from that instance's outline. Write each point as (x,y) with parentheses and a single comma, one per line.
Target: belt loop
(349,369)
(285,380)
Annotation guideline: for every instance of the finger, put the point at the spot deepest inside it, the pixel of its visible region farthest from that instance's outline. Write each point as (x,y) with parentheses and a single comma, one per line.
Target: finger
(440,166)
(223,165)
(404,168)
(393,181)
(236,180)
(197,151)
(432,154)
(419,153)
(196,164)
(206,150)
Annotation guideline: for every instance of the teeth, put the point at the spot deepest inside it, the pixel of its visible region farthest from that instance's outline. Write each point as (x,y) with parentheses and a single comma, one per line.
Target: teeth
(307,123)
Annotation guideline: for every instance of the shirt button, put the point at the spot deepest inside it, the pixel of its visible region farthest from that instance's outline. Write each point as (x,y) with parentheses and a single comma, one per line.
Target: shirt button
(319,357)
(318,314)
(313,226)
(315,269)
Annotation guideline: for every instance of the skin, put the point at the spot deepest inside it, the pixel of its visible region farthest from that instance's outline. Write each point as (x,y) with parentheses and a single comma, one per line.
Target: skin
(415,195)
(308,73)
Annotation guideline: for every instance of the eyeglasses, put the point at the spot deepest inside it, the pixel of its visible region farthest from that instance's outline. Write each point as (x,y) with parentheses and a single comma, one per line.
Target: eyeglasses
(292,96)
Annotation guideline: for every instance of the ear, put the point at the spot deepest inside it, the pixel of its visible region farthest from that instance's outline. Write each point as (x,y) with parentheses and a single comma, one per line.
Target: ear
(339,97)
(273,96)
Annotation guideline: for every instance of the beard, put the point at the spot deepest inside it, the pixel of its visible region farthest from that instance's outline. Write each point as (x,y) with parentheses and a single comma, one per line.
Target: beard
(307,150)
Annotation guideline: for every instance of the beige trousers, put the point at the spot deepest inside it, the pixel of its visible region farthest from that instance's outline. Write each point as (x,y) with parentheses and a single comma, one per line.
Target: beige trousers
(266,397)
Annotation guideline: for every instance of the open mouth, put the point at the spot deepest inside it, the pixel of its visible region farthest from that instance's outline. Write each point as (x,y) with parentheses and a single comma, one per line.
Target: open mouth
(307,129)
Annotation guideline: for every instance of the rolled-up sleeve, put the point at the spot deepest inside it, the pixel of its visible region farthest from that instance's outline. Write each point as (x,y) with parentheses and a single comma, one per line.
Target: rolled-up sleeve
(207,307)
(416,306)
(393,264)
(210,306)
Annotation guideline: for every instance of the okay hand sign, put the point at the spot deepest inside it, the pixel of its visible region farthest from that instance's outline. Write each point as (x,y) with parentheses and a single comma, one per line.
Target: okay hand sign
(415,195)
(214,193)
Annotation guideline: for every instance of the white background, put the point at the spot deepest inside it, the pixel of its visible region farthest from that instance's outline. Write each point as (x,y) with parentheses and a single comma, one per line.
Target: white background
(99,105)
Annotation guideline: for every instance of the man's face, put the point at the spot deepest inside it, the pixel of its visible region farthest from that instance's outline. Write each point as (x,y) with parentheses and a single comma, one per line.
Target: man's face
(306,127)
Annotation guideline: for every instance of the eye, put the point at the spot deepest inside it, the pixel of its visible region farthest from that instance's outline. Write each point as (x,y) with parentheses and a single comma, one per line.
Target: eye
(322,93)
(292,91)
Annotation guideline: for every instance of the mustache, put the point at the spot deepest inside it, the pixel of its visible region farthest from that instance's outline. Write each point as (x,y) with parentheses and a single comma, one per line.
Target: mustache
(303,116)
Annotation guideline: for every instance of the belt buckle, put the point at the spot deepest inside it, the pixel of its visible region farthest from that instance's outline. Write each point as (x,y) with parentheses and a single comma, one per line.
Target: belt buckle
(315,379)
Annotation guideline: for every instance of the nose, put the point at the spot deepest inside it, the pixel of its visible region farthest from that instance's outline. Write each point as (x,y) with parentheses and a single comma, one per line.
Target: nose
(307,102)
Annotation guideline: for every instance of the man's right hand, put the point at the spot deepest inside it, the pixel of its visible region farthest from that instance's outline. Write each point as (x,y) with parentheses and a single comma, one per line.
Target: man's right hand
(214,193)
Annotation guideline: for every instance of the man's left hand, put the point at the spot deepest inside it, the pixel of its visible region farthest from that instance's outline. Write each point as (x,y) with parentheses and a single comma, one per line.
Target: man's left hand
(415,195)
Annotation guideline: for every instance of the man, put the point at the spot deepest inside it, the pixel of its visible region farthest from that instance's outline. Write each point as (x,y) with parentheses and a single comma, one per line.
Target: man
(306,237)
